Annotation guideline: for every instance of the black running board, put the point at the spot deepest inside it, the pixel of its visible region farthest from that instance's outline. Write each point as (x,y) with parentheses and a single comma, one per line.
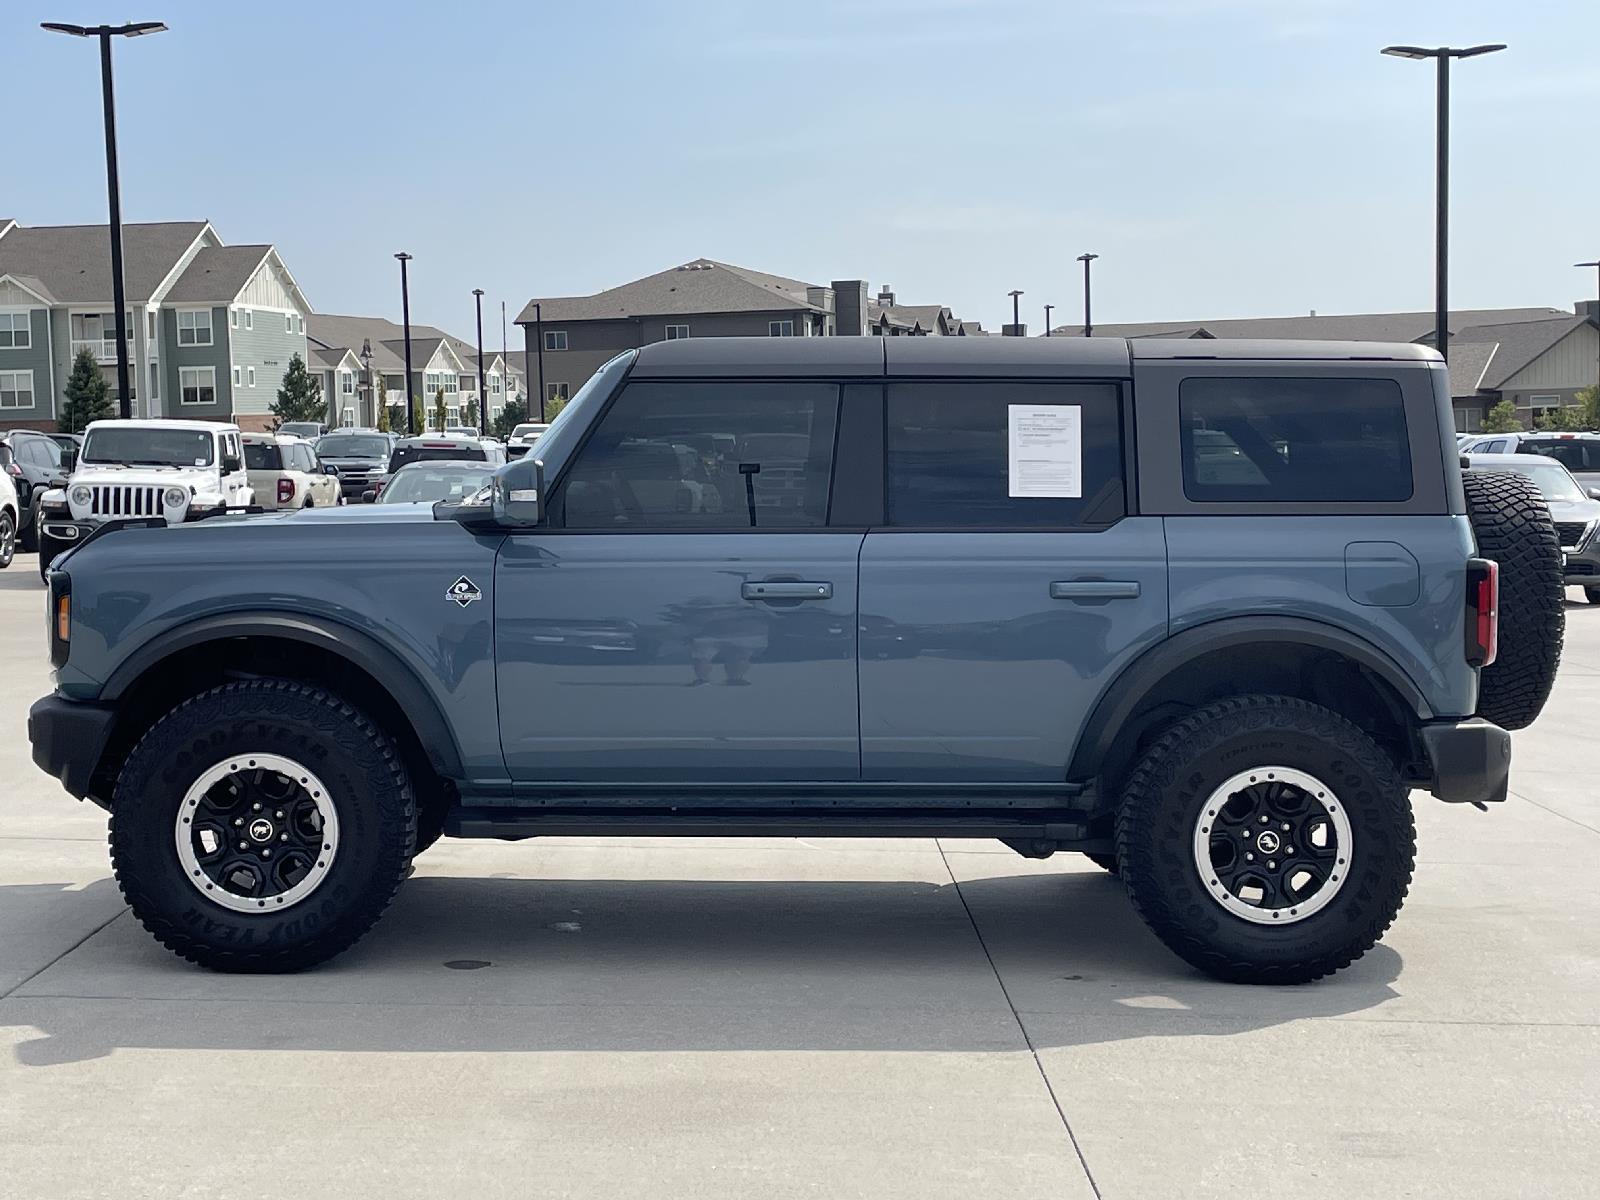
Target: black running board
(1060,830)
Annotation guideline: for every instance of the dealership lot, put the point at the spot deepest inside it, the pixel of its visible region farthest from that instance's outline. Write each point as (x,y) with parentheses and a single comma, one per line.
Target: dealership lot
(781,1018)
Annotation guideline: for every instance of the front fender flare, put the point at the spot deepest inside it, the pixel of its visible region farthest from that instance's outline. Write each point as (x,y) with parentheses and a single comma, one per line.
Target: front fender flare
(360,649)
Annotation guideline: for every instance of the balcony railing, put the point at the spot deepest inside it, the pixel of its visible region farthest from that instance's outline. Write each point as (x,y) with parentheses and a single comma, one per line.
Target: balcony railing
(104,349)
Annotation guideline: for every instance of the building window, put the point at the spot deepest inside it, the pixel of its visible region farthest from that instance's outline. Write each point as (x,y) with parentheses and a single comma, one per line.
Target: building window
(250,376)
(555,339)
(16,389)
(233,317)
(238,376)
(557,391)
(495,384)
(95,332)
(347,417)
(155,381)
(674,332)
(249,319)
(299,323)
(194,327)
(150,328)
(780,328)
(347,383)
(197,385)
(16,331)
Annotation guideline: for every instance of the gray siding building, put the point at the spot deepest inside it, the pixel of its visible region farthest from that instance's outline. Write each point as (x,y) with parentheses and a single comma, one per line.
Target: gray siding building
(211,327)
(704,298)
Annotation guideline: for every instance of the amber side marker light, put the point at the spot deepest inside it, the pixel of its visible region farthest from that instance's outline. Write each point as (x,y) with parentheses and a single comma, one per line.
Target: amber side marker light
(64,618)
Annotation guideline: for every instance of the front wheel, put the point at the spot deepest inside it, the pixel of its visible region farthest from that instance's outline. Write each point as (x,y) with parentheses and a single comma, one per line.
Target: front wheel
(1266,839)
(8,537)
(262,826)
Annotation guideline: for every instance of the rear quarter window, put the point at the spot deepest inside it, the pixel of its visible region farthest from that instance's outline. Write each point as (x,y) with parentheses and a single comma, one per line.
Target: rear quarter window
(1294,440)
(261,457)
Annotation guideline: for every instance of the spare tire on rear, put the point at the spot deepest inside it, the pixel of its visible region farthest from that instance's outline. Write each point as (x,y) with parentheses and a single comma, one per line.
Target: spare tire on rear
(1512,524)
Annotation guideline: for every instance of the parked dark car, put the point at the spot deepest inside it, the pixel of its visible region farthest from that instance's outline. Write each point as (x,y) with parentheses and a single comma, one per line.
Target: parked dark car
(359,455)
(34,462)
(435,447)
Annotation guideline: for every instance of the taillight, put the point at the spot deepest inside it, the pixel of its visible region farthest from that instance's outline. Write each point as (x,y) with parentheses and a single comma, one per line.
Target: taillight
(285,490)
(1483,611)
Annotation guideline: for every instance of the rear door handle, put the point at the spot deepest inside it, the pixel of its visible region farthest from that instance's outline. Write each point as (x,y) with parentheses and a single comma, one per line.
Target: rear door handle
(787,589)
(1095,589)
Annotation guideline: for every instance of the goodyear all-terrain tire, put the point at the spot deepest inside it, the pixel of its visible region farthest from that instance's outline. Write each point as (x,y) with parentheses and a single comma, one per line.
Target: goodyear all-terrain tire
(262,826)
(1512,524)
(1266,839)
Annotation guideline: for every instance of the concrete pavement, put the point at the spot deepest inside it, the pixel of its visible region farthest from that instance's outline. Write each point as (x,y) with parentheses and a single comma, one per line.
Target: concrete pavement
(787,1018)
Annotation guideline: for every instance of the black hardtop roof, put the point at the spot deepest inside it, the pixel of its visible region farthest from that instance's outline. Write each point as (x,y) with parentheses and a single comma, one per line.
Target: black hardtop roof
(1093,357)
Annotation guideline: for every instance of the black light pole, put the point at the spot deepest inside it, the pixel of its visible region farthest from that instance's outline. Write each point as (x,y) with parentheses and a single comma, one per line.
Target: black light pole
(1596,315)
(483,391)
(1441,238)
(1088,317)
(538,325)
(1047,309)
(405,315)
(366,370)
(105,33)
(1016,312)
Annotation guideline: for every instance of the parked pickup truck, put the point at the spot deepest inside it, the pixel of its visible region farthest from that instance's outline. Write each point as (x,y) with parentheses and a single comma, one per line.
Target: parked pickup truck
(1207,620)
(175,471)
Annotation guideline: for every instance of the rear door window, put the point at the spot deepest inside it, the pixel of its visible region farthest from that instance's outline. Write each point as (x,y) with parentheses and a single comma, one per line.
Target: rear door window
(1294,440)
(260,456)
(711,455)
(956,451)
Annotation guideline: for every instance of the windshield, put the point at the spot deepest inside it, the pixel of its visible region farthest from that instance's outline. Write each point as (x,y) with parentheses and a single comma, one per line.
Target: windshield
(411,452)
(150,447)
(566,430)
(431,482)
(1553,481)
(352,445)
(528,430)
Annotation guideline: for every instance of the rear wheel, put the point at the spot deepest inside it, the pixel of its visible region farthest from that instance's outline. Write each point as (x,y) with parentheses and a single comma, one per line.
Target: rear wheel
(8,537)
(1265,839)
(1512,525)
(261,826)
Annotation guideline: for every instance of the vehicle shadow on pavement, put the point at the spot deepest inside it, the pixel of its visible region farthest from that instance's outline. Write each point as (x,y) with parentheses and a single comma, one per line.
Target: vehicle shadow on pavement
(511,964)
(22,576)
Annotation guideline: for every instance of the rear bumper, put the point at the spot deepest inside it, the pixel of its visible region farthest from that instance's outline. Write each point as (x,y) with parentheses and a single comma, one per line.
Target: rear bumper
(69,738)
(1471,760)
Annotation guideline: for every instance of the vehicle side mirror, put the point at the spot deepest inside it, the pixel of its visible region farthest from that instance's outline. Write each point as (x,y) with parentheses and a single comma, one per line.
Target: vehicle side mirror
(368,496)
(69,460)
(1594,492)
(230,464)
(516,499)
(329,469)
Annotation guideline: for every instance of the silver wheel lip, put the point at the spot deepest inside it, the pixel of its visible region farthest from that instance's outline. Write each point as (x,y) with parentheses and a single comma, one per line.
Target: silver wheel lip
(215,892)
(1319,792)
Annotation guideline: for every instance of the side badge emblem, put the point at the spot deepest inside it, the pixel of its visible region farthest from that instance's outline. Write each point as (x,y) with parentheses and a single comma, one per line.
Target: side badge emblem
(463,591)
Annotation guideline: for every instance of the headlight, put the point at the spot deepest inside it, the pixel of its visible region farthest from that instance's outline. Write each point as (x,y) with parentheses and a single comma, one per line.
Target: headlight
(176,497)
(81,495)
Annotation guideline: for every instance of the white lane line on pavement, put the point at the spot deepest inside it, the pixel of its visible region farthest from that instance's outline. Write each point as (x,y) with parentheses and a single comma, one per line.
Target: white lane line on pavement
(1553,812)
(25,982)
(1021,1028)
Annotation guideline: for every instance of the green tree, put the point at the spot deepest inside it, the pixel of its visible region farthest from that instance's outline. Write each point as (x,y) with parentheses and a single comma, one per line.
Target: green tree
(554,405)
(438,409)
(383,406)
(300,397)
(469,414)
(1502,418)
(87,396)
(418,422)
(513,414)
(1589,406)
(1568,417)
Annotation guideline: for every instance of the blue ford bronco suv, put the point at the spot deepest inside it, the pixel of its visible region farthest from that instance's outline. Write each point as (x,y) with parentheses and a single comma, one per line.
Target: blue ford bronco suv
(1206,612)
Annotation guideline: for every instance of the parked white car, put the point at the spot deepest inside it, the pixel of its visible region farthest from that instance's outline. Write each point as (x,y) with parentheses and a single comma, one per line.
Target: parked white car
(10,517)
(522,437)
(285,473)
(172,470)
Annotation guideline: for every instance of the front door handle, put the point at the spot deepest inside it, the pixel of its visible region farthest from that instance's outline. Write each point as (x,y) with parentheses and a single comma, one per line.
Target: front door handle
(1095,589)
(787,589)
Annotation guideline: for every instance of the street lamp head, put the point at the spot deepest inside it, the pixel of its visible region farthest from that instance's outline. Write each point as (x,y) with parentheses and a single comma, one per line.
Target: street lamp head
(403,256)
(1587,264)
(1410,52)
(1442,51)
(1083,258)
(1016,293)
(132,29)
(1474,51)
(478,292)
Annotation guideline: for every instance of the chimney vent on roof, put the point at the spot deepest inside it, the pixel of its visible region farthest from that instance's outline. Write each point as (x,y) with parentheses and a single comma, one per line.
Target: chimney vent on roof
(886,296)
(1313,312)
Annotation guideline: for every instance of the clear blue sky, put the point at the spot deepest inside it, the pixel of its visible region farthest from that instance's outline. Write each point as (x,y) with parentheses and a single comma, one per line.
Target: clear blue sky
(1224,157)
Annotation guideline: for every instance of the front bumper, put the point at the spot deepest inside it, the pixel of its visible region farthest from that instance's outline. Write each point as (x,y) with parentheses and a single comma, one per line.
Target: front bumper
(1581,568)
(64,528)
(1471,760)
(69,739)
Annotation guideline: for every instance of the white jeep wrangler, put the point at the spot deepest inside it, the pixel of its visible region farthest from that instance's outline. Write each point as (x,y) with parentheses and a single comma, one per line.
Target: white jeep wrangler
(175,470)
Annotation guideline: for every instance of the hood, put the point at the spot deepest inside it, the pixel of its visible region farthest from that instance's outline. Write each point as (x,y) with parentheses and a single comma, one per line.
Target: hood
(200,478)
(359,514)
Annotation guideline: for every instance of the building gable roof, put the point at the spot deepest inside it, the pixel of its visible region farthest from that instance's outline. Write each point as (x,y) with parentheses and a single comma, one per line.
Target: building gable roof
(217,274)
(700,286)
(1517,344)
(74,261)
(30,284)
